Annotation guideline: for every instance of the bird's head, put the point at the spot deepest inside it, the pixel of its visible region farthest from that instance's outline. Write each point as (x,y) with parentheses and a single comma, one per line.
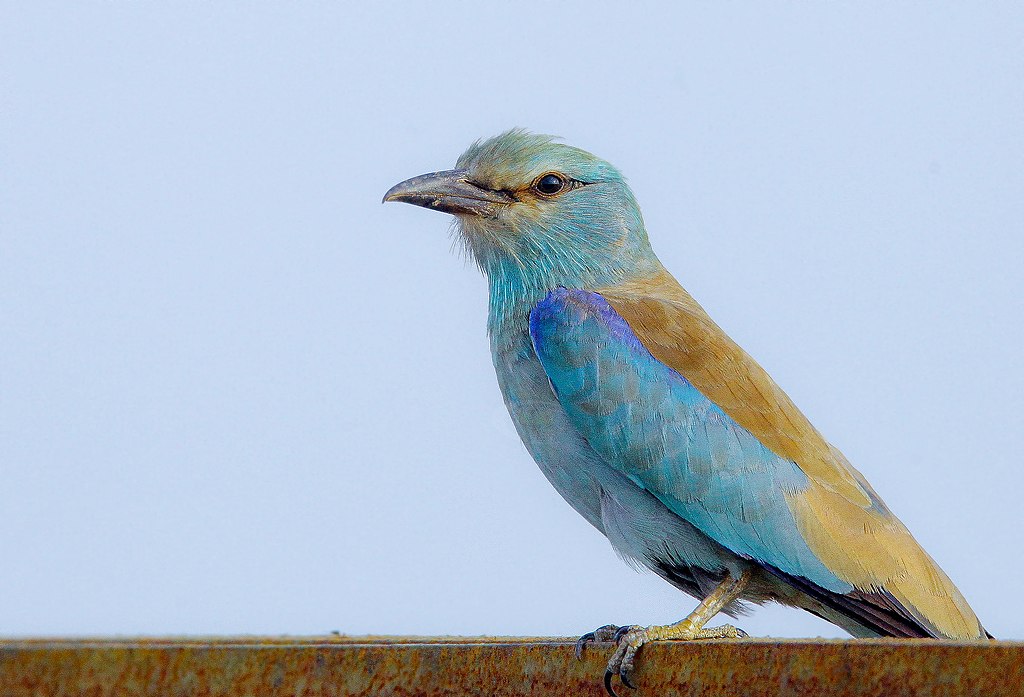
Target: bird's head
(536,214)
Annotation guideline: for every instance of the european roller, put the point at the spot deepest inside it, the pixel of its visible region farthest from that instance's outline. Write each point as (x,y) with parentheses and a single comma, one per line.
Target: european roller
(658,428)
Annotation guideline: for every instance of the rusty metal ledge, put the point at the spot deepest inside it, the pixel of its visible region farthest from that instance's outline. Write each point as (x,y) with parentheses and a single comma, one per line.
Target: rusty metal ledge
(339,666)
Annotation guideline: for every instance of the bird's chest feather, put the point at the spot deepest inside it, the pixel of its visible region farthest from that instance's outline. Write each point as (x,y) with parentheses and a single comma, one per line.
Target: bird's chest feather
(562,454)
(638,525)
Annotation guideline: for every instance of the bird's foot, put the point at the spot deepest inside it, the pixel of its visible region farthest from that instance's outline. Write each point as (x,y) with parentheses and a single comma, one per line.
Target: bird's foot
(630,639)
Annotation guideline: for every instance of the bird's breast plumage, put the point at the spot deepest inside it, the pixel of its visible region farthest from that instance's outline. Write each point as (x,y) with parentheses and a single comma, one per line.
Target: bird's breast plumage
(638,524)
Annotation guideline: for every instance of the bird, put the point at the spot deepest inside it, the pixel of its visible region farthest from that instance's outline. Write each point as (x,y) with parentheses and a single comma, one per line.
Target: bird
(655,426)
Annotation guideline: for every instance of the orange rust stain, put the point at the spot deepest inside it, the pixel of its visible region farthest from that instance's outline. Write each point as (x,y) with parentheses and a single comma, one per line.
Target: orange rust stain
(358,666)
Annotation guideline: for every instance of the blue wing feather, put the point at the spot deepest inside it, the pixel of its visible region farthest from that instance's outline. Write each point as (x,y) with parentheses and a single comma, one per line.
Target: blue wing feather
(651,424)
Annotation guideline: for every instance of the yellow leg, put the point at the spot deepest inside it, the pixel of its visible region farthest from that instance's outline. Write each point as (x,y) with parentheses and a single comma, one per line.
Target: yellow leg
(691,627)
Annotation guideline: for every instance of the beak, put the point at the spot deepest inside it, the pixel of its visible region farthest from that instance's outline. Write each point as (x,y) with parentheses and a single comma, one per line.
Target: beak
(450,192)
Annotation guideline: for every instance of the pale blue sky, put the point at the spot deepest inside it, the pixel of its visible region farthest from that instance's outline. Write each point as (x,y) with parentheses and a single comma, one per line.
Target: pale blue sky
(237,394)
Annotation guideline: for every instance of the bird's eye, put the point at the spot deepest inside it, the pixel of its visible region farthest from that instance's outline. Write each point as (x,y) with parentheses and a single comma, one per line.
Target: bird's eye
(549,184)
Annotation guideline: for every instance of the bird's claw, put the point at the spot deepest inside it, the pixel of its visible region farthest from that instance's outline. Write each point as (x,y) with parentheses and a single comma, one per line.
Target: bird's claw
(628,641)
(609,632)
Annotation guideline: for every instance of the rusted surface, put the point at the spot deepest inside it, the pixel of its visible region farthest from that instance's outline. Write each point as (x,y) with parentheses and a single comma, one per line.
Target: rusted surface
(356,666)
